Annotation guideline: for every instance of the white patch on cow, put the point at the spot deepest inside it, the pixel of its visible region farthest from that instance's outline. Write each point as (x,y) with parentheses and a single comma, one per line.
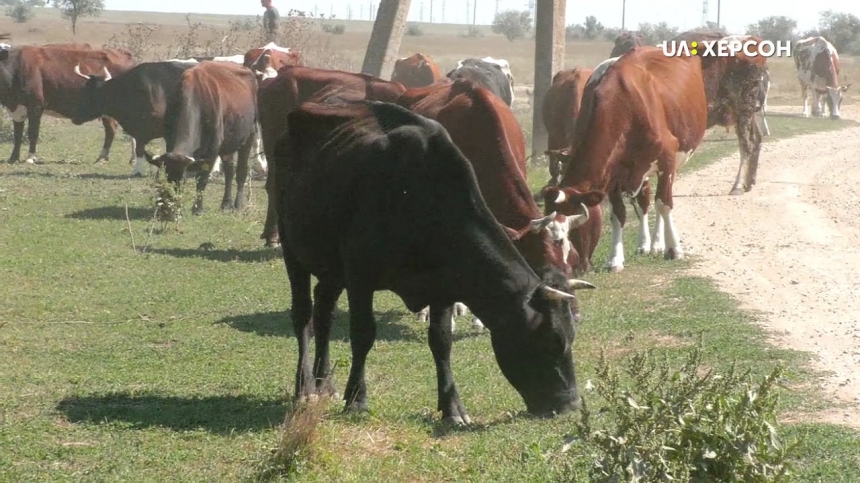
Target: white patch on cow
(658,245)
(4,46)
(477,324)
(267,73)
(104,154)
(651,170)
(681,158)
(673,241)
(274,46)
(260,165)
(19,114)
(600,70)
(216,167)
(184,61)
(559,231)
(236,59)
(616,250)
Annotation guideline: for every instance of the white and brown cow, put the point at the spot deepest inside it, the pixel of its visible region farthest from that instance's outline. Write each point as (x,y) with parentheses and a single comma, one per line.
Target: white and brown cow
(817,65)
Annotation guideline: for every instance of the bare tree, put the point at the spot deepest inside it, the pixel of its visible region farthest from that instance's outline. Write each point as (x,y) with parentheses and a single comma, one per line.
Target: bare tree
(75,9)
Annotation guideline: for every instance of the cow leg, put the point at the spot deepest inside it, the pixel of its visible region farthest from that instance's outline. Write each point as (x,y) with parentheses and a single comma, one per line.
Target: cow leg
(242,175)
(260,165)
(270,227)
(764,127)
(202,181)
(749,141)
(18,129)
(423,314)
(229,163)
(325,300)
(300,313)
(111,127)
(34,123)
(439,337)
(141,165)
(664,210)
(619,216)
(216,167)
(641,205)
(362,334)
(133,151)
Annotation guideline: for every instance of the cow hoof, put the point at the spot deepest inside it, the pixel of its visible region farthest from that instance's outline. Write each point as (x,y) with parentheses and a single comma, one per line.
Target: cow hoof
(226,206)
(30,160)
(239,206)
(457,420)
(13,160)
(137,174)
(674,254)
(101,161)
(658,250)
(641,250)
(356,408)
(736,192)
(614,268)
(197,211)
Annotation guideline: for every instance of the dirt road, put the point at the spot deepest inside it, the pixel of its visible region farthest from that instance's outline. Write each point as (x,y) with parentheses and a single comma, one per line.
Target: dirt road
(790,248)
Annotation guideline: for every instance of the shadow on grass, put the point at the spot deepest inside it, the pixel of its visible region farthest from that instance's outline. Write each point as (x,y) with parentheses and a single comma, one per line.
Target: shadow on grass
(112,213)
(393,325)
(39,174)
(215,414)
(280,324)
(230,255)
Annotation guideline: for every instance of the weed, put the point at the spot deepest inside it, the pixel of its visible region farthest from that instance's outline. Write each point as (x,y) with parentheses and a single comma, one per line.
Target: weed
(297,441)
(685,425)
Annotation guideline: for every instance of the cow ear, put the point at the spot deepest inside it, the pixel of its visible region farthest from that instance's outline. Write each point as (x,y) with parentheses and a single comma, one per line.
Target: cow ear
(845,87)
(153,160)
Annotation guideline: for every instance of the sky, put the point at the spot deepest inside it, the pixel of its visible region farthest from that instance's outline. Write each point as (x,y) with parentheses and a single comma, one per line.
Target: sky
(735,14)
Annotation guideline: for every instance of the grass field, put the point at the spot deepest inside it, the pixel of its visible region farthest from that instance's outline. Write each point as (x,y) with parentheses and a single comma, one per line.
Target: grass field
(172,362)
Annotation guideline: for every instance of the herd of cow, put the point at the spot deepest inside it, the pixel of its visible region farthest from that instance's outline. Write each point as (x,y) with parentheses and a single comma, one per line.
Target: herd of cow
(418,185)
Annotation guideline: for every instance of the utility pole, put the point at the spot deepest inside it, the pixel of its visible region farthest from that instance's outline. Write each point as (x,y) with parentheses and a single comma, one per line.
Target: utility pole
(361,12)
(443,11)
(467,12)
(422,12)
(718,13)
(704,13)
(497,8)
(474,11)
(431,11)
(330,11)
(623,13)
(349,12)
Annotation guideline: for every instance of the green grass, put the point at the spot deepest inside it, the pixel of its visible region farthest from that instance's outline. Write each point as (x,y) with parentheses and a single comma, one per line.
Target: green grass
(173,364)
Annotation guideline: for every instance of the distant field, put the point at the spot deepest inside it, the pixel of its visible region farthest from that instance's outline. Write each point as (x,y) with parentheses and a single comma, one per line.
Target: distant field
(445,42)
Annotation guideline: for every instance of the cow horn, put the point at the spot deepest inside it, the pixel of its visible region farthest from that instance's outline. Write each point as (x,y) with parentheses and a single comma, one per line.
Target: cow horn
(576,284)
(554,294)
(541,223)
(78,71)
(581,219)
(107,73)
(561,197)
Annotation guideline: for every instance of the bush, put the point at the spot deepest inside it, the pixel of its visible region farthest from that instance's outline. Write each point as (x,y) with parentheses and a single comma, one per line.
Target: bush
(472,32)
(512,24)
(21,12)
(683,425)
(654,34)
(414,30)
(338,29)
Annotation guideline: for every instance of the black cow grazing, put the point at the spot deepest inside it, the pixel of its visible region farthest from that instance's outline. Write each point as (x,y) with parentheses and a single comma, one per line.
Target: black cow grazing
(39,80)
(201,110)
(138,99)
(626,42)
(374,197)
(487,74)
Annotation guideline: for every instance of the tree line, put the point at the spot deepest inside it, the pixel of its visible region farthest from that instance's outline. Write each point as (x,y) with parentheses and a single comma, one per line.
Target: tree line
(841,29)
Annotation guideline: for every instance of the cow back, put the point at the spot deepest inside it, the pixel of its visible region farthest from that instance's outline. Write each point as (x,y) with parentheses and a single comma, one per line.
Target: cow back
(561,105)
(218,110)
(487,132)
(47,79)
(486,74)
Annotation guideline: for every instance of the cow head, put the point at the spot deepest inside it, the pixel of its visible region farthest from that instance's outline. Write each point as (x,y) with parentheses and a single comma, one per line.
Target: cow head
(538,362)
(833,98)
(90,104)
(569,201)
(175,165)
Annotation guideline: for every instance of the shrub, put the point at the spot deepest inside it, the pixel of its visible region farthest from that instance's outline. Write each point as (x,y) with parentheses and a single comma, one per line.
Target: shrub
(513,24)
(297,445)
(472,32)
(21,12)
(338,29)
(683,425)
(414,30)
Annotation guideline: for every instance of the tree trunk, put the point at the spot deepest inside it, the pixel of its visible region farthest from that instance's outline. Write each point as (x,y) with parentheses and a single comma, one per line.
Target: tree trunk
(74,25)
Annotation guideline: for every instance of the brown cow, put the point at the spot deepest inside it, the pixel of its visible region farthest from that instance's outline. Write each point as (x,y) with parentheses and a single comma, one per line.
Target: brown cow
(625,43)
(487,132)
(419,70)
(37,80)
(561,106)
(265,61)
(646,113)
(292,85)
